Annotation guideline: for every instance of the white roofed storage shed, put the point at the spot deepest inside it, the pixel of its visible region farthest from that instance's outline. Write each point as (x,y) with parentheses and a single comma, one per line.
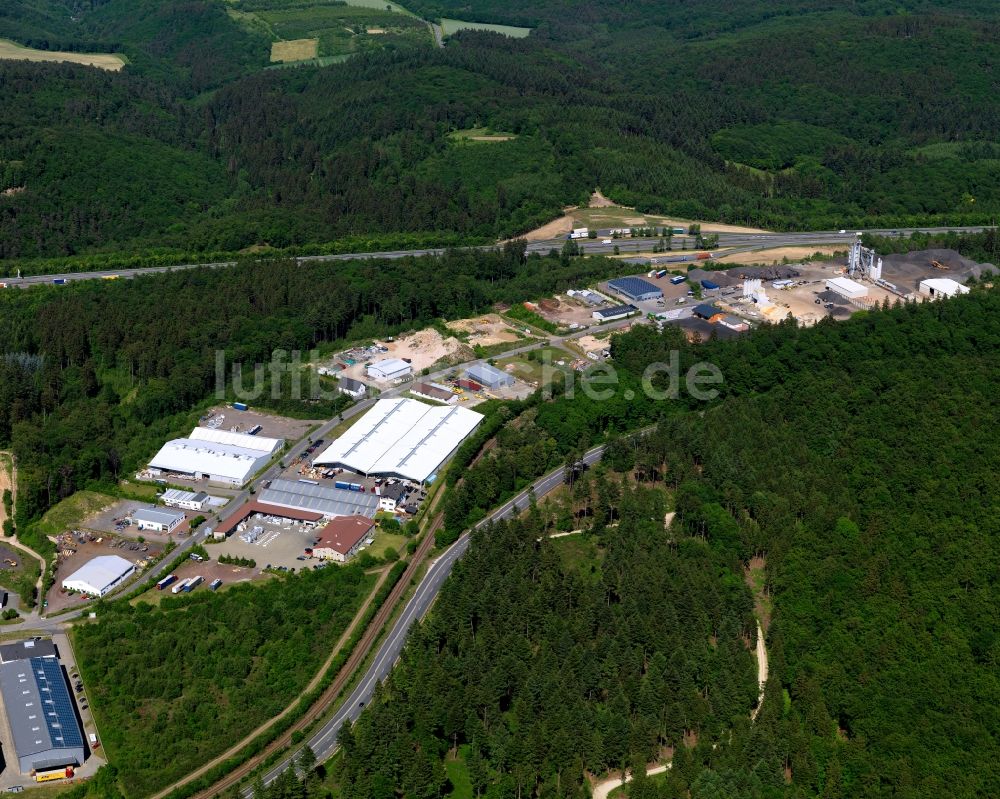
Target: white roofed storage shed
(100,576)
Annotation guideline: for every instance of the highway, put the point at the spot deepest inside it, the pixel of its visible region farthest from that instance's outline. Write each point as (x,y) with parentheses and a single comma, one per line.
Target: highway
(324,741)
(595,246)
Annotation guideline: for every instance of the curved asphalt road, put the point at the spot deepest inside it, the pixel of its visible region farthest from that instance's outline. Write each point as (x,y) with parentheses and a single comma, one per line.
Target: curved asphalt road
(324,741)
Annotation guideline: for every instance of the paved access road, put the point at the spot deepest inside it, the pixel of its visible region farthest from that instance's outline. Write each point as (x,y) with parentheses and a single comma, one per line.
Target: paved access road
(752,241)
(324,741)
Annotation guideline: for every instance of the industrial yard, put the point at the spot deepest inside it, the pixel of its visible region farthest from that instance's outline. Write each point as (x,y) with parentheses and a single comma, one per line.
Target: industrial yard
(268,425)
(77,548)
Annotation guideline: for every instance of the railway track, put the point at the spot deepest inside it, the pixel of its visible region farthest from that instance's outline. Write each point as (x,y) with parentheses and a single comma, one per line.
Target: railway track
(349,669)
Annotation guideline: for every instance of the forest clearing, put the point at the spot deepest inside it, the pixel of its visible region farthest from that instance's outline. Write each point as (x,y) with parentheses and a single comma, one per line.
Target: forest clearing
(16,52)
(294,50)
(7,483)
(453,26)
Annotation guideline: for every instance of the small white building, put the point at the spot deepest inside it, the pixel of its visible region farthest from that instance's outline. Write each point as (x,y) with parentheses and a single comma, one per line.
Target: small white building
(389,369)
(391,497)
(938,287)
(100,575)
(351,387)
(158,520)
(188,500)
(846,287)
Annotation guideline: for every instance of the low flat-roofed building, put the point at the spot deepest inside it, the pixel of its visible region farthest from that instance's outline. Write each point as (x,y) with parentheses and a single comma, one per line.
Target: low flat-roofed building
(325,499)
(188,500)
(734,323)
(489,376)
(158,520)
(40,714)
(23,650)
(614,313)
(248,509)
(99,576)
(846,287)
(708,312)
(341,539)
(939,287)
(635,288)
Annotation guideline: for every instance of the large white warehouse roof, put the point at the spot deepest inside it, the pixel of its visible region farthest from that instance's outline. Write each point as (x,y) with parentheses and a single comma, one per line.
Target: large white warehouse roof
(243,440)
(99,575)
(219,454)
(402,437)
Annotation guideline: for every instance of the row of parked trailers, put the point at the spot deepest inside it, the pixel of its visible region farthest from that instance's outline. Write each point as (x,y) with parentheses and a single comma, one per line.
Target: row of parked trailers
(185,586)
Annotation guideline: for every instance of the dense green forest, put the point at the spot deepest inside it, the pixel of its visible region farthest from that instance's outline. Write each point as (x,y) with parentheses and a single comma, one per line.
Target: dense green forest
(176,684)
(544,660)
(94,376)
(859,459)
(783,114)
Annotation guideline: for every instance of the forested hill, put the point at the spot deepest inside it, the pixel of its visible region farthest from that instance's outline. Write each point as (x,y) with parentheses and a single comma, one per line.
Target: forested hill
(859,461)
(777,114)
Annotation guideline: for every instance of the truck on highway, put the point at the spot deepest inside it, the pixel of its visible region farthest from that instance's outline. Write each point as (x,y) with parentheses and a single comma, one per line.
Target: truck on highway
(59,281)
(579,233)
(170,578)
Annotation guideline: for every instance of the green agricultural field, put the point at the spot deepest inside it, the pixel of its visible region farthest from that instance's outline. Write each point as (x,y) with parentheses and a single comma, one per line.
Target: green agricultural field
(12,51)
(322,33)
(452,26)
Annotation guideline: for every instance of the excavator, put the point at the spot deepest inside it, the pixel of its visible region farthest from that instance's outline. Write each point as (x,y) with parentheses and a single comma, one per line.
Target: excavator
(939,265)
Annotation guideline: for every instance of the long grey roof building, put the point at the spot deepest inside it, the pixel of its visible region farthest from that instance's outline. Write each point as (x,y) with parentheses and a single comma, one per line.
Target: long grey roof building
(320,499)
(40,714)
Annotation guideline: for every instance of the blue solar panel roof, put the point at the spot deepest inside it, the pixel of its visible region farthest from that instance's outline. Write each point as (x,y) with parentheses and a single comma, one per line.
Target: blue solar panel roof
(633,286)
(57,703)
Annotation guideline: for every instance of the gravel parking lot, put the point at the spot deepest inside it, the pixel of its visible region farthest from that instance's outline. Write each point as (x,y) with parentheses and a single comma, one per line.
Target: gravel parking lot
(271,426)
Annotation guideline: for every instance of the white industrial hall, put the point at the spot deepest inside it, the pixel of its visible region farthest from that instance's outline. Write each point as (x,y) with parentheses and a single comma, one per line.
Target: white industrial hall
(219,456)
(401,438)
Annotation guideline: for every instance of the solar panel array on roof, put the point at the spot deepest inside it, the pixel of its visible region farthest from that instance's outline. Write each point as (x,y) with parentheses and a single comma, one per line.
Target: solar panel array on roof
(41,715)
(635,288)
(321,499)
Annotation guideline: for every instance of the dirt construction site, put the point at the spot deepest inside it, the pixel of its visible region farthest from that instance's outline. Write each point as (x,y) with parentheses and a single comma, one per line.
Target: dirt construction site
(566,311)
(423,349)
(485,331)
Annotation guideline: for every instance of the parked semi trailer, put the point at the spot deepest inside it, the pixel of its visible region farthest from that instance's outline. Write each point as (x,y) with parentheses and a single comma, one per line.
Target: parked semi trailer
(170,578)
(193,583)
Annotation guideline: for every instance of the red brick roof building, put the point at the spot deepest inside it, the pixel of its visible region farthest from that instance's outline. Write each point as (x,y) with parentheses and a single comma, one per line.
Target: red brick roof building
(341,538)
